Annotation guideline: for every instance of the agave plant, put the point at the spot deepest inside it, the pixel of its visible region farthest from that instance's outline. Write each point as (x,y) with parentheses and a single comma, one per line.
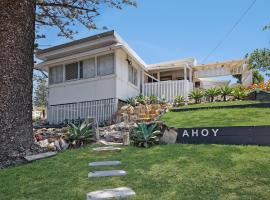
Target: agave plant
(141,99)
(225,91)
(178,100)
(197,95)
(145,135)
(131,101)
(212,93)
(77,135)
(153,99)
(239,93)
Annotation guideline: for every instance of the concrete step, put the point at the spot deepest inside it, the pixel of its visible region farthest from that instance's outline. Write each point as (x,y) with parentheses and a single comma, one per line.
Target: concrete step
(40,156)
(121,192)
(106,149)
(104,163)
(96,174)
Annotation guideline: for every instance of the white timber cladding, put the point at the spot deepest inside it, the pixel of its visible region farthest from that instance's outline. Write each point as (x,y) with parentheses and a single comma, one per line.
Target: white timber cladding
(125,88)
(101,110)
(88,85)
(168,89)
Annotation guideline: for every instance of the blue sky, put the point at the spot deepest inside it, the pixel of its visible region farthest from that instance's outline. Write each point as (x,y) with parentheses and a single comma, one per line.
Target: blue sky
(163,30)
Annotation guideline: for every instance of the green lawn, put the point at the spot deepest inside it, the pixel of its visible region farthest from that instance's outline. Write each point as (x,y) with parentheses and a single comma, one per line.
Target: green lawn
(218,117)
(163,172)
(222,103)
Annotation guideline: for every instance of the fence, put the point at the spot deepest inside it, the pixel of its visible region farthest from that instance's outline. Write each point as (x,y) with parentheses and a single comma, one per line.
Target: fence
(100,109)
(168,89)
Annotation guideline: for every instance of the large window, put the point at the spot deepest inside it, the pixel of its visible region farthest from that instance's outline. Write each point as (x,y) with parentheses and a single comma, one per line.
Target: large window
(56,74)
(105,65)
(72,71)
(132,75)
(88,68)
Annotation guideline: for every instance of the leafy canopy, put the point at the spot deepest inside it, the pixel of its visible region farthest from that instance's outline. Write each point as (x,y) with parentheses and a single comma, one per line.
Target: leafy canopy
(260,59)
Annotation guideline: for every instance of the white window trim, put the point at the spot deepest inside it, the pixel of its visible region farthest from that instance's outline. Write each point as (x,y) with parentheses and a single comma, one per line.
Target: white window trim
(86,58)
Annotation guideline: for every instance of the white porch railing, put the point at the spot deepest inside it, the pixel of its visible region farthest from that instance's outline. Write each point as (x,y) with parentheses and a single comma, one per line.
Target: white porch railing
(101,110)
(168,89)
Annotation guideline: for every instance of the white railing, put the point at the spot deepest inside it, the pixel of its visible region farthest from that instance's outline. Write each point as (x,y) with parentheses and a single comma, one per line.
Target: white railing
(168,89)
(101,110)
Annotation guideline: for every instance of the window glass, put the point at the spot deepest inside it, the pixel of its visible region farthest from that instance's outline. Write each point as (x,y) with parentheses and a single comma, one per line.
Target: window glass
(132,75)
(56,74)
(105,65)
(87,68)
(72,71)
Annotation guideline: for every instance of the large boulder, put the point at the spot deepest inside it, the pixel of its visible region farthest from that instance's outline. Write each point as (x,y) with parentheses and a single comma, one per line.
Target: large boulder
(169,136)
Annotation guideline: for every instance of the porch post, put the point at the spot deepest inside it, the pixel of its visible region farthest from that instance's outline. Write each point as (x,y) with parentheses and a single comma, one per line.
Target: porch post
(185,84)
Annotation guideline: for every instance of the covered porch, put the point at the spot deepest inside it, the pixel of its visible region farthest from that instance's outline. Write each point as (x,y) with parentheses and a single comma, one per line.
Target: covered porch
(169,79)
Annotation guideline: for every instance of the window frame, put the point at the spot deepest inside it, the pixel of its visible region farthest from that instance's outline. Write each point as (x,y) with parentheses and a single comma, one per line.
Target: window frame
(50,75)
(134,75)
(78,71)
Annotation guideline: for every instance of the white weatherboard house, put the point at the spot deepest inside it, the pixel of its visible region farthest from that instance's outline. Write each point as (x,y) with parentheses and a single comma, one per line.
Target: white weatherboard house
(91,76)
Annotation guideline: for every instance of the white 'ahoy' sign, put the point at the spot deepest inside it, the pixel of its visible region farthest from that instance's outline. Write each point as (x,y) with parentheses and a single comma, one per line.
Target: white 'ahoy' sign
(202,132)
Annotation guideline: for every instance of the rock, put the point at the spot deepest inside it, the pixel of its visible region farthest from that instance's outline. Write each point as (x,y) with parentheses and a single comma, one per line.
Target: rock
(169,136)
(57,145)
(104,163)
(51,146)
(96,174)
(117,193)
(43,143)
(64,145)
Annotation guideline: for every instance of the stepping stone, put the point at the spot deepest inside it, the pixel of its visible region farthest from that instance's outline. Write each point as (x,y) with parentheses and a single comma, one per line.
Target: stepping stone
(40,156)
(104,149)
(121,192)
(109,143)
(95,174)
(104,163)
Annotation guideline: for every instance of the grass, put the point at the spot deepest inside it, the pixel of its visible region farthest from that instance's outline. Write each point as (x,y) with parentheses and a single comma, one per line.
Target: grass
(218,117)
(159,173)
(222,103)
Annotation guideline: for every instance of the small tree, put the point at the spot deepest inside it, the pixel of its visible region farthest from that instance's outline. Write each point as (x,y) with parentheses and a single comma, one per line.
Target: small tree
(197,95)
(212,93)
(225,91)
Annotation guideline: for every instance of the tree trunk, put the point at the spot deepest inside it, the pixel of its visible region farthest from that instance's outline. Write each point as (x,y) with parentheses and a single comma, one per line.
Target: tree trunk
(17,29)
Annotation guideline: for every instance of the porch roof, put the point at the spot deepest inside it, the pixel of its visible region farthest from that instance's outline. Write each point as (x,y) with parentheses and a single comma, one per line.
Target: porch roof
(187,62)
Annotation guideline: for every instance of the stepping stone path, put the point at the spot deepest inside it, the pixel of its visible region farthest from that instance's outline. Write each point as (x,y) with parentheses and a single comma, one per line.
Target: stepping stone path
(107,173)
(104,163)
(40,156)
(104,149)
(121,192)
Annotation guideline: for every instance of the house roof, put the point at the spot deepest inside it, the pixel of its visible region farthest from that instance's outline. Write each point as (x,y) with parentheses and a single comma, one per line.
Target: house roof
(229,63)
(104,41)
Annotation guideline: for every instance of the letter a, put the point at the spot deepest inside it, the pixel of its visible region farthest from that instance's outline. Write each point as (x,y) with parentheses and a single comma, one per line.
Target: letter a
(185,133)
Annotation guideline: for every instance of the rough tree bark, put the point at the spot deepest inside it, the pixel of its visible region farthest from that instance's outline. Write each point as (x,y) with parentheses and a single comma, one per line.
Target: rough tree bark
(17,25)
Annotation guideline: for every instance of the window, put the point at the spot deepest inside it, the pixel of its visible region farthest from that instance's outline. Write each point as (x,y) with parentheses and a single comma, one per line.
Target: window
(132,75)
(72,71)
(105,65)
(56,74)
(87,68)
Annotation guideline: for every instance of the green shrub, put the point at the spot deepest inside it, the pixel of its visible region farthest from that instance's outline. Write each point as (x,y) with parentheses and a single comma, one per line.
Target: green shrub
(212,93)
(178,100)
(145,135)
(225,91)
(153,99)
(132,101)
(197,95)
(239,93)
(79,134)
